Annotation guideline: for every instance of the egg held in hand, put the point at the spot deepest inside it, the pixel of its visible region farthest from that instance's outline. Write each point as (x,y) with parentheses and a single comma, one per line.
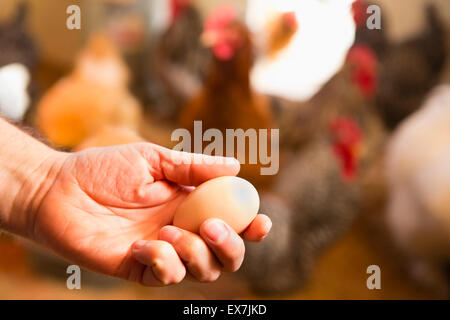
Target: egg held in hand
(231,199)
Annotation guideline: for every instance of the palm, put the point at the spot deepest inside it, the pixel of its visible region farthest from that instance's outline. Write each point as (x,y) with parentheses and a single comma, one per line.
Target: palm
(102,201)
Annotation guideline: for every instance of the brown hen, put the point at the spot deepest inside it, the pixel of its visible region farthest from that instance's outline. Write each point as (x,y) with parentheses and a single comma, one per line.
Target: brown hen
(227,100)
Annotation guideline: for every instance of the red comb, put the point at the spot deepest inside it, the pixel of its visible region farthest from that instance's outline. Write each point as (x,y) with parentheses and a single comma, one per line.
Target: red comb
(362,54)
(228,41)
(359,9)
(177,7)
(290,19)
(221,18)
(364,73)
(346,130)
(347,134)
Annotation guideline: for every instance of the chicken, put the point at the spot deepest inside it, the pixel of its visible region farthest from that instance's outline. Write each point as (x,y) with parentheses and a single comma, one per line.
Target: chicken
(309,56)
(16,42)
(227,101)
(418,172)
(314,200)
(281,31)
(180,44)
(446,72)
(318,191)
(14,98)
(351,92)
(93,96)
(178,62)
(18,59)
(408,70)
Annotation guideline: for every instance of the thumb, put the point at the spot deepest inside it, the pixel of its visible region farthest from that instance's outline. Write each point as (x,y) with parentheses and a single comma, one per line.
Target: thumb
(184,168)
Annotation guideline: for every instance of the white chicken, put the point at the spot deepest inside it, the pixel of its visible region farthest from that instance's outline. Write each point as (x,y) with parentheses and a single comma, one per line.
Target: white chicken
(418,173)
(14,98)
(314,54)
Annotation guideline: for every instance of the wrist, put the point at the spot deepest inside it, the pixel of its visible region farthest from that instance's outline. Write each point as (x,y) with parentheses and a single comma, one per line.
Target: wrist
(27,171)
(37,179)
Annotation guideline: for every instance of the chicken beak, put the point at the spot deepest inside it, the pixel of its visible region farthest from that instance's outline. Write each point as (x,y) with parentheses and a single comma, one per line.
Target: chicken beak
(209,38)
(357,150)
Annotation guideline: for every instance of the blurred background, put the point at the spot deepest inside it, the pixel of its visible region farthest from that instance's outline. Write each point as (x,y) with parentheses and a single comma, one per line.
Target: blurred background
(364,119)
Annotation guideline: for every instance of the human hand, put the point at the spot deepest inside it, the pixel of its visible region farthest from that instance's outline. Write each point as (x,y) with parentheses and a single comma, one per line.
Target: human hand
(110,210)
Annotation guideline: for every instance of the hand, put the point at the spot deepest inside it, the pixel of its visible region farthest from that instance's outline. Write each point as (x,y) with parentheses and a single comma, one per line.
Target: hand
(110,210)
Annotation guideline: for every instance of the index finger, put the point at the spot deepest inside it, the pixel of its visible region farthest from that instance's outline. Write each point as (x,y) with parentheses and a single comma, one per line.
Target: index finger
(185,168)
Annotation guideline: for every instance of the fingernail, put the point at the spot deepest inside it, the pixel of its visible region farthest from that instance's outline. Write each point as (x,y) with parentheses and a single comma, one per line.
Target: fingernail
(139,244)
(268,228)
(170,234)
(231,161)
(215,231)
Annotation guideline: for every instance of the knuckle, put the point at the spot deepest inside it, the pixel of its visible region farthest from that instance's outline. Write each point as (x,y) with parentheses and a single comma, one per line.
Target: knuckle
(162,230)
(174,277)
(164,251)
(139,194)
(234,259)
(147,277)
(235,253)
(195,247)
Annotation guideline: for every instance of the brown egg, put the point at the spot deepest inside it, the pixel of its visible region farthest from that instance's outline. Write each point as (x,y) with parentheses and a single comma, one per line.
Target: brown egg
(231,199)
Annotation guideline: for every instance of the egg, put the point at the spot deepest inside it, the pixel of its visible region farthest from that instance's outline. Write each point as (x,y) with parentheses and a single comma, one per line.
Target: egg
(231,199)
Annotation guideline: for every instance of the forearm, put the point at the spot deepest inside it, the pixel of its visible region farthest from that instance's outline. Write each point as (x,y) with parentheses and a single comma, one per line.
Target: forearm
(27,167)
